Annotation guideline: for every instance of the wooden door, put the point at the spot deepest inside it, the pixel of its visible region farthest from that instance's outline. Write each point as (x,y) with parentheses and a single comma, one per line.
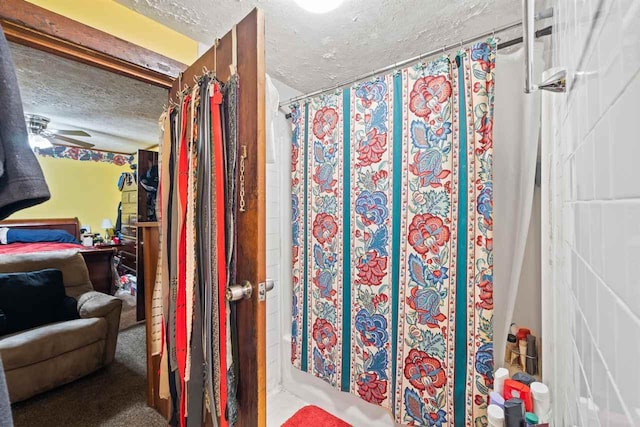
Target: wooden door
(250,223)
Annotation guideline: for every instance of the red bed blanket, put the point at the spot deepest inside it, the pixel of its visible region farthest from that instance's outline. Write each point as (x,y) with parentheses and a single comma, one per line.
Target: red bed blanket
(25,248)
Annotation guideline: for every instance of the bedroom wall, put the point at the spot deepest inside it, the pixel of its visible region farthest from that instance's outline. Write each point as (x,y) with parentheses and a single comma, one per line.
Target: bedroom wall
(84,189)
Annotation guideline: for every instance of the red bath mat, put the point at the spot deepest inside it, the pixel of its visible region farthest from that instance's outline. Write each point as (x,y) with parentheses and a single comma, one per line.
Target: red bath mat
(313,416)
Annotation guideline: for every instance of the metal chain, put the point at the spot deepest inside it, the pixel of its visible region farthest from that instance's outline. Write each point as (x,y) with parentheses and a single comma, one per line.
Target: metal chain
(242,159)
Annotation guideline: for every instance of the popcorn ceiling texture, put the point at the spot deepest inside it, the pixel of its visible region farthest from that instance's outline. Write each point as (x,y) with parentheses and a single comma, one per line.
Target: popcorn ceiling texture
(120,113)
(309,51)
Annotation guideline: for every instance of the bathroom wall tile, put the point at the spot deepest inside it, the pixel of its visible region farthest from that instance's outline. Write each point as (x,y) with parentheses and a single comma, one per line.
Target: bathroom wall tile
(585,248)
(630,38)
(591,310)
(613,253)
(599,380)
(625,149)
(595,129)
(582,288)
(609,48)
(597,237)
(626,374)
(607,325)
(584,169)
(602,159)
(592,81)
(617,416)
(273,260)
(632,278)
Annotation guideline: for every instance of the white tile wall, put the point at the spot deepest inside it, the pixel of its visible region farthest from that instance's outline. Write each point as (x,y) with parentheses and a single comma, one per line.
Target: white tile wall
(595,218)
(278,259)
(273,272)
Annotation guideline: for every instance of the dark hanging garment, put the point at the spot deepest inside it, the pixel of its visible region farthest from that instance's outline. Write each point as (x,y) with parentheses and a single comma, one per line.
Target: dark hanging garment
(230,140)
(22,183)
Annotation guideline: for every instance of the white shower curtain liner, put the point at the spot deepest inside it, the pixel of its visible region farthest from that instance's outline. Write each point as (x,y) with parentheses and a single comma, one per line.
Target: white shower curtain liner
(515,133)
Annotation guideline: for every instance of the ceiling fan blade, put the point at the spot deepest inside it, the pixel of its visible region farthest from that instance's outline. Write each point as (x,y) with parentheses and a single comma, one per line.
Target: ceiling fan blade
(70,132)
(72,141)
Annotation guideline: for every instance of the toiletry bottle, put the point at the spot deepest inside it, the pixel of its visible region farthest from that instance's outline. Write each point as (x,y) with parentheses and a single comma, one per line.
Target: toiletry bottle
(523,378)
(514,388)
(513,413)
(512,343)
(496,398)
(495,416)
(541,401)
(499,376)
(531,419)
(532,355)
(512,346)
(522,347)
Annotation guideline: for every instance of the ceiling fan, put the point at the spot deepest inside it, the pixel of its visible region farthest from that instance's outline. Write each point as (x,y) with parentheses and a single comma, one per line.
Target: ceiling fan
(41,137)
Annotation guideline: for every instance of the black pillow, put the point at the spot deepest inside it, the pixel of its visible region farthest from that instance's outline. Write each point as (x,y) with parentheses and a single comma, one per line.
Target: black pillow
(33,299)
(67,310)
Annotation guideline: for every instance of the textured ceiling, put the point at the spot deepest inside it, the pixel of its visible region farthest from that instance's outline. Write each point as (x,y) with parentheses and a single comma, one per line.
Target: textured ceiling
(309,51)
(120,113)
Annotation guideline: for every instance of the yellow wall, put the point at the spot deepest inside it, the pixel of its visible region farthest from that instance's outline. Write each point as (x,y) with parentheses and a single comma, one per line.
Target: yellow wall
(117,20)
(83,189)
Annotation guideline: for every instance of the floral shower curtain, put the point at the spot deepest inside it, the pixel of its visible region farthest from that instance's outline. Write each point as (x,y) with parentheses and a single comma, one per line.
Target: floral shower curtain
(392,239)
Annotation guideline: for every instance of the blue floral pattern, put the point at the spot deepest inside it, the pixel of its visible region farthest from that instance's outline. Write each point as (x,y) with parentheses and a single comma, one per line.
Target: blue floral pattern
(372,328)
(372,207)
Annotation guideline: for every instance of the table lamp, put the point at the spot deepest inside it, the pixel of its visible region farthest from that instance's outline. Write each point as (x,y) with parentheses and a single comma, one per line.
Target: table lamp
(106,224)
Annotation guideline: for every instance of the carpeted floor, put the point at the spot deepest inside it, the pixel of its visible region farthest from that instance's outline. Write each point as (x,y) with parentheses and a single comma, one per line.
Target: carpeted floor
(112,397)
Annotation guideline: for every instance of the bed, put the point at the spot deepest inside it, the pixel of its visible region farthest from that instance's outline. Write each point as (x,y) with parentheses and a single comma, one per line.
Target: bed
(99,260)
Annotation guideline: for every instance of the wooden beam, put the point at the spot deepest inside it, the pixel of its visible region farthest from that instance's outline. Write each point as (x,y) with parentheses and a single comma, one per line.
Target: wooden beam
(39,28)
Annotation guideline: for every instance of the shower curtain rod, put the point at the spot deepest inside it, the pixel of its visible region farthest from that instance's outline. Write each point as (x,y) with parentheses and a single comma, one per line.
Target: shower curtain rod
(543,32)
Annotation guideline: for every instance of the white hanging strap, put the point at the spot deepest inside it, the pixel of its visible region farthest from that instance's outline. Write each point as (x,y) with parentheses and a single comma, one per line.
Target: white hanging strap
(163,116)
(234,51)
(215,56)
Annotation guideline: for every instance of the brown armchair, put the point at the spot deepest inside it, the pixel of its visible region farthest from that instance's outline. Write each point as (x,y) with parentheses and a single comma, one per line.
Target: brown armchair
(39,359)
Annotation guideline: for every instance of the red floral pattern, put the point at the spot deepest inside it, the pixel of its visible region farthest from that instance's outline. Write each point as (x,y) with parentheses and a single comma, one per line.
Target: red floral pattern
(426,89)
(424,372)
(324,122)
(486,289)
(294,159)
(372,389)
(85,155)
(324,335)
(427,233)
(324,227)
(372,148)
(371,269)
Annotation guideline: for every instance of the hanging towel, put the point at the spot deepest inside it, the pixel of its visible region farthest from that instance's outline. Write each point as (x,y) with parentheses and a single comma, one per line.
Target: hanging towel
(22,183)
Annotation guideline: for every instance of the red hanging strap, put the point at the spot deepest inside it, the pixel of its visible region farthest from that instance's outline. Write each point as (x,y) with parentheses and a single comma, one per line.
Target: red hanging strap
(181,299)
